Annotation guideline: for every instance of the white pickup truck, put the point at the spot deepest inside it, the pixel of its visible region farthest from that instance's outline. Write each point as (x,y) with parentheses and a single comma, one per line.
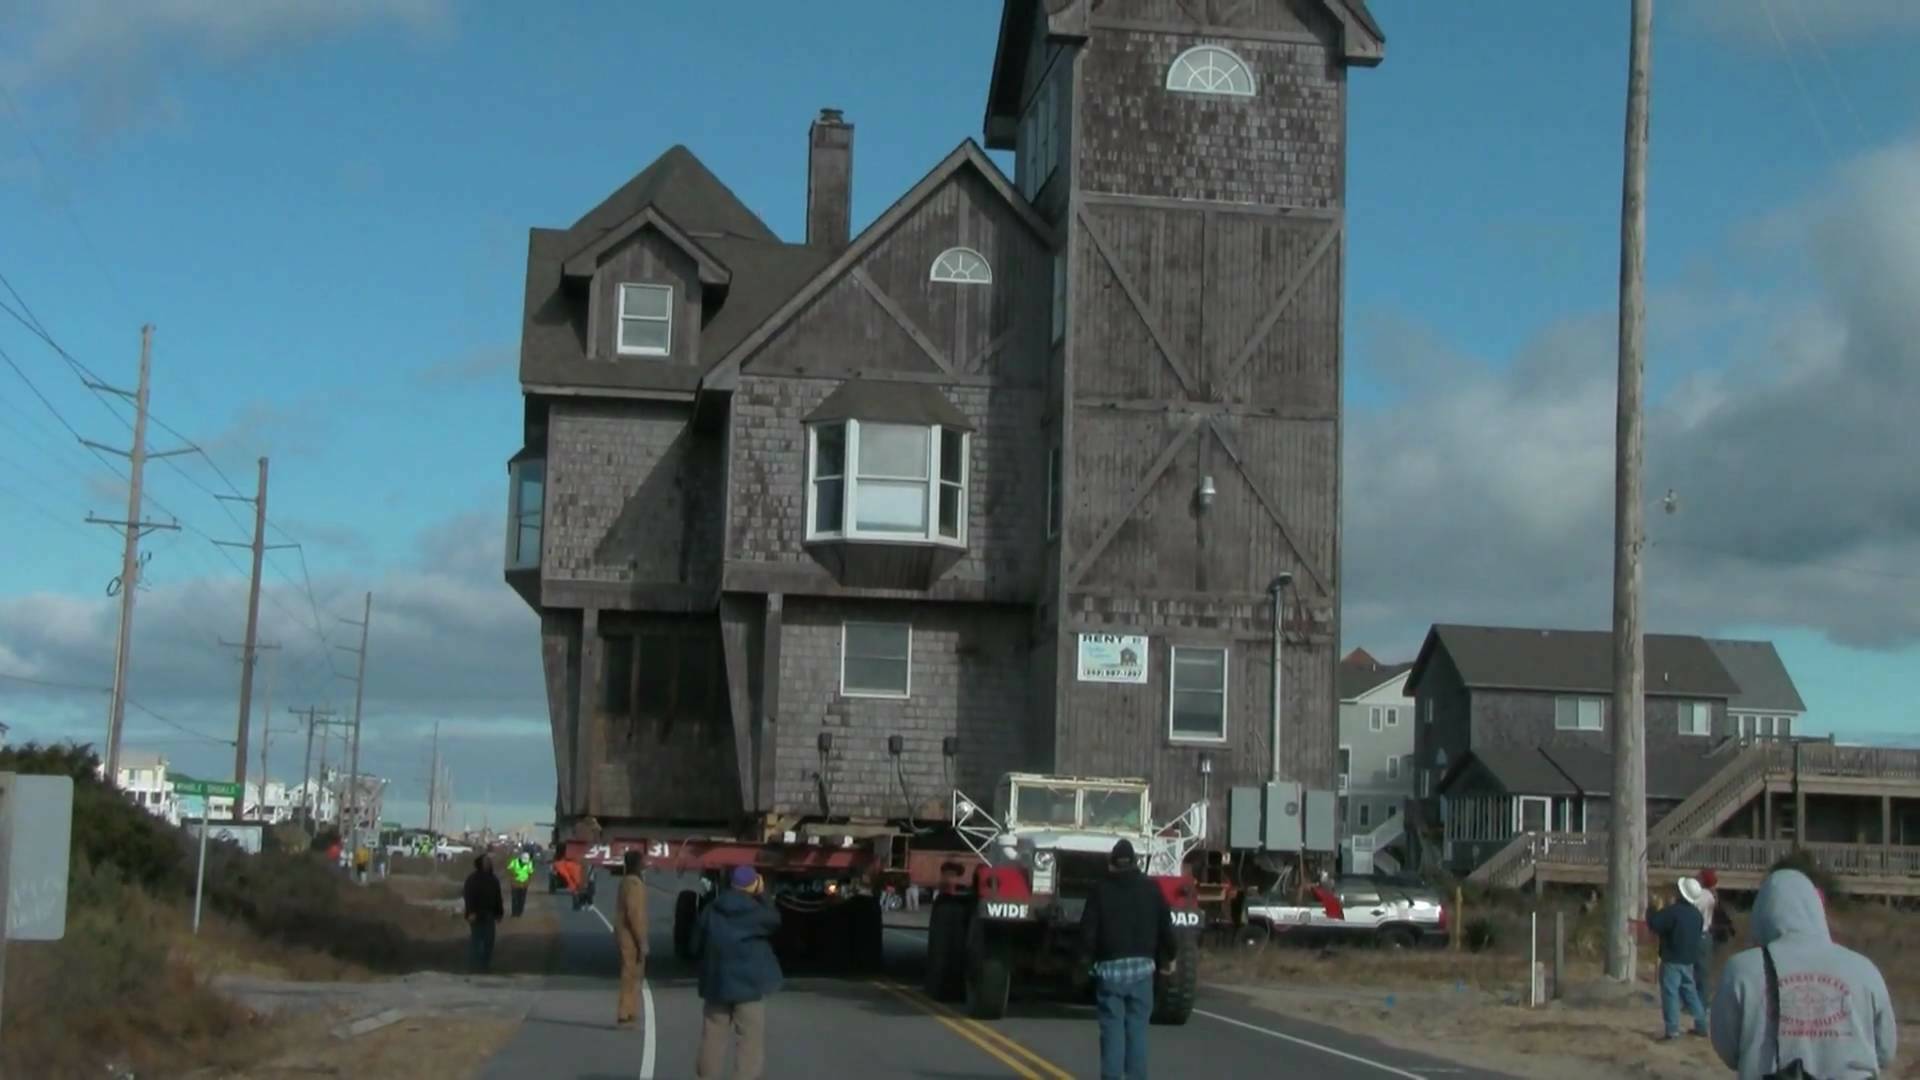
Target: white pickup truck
(1395,912)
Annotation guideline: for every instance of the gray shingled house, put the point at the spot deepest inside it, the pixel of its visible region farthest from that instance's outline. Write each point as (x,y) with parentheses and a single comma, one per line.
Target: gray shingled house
(1512,730)
(824,529)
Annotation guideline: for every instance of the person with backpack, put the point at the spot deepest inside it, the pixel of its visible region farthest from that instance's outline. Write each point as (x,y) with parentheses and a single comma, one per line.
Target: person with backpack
(1797,1004)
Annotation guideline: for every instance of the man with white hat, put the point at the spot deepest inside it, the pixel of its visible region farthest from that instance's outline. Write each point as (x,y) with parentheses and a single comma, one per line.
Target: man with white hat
(1682,932)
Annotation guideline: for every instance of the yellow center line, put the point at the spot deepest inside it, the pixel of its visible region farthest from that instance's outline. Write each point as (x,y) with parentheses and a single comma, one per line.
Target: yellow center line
(994,1042)
(959,1027)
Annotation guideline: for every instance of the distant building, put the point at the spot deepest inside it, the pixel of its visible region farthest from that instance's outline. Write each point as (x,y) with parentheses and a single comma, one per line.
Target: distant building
(1376,776)
(1768,705)
(146,780)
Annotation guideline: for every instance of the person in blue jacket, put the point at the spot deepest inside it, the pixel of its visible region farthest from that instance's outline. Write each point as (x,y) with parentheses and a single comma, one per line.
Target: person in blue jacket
(1683,932)
(733,948)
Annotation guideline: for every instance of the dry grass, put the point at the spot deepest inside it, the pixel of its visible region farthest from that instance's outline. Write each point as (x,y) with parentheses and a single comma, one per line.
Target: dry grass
(1470,1006)
(436,1048)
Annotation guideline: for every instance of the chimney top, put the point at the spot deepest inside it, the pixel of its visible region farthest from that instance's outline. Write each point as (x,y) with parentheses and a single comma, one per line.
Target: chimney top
(831,116)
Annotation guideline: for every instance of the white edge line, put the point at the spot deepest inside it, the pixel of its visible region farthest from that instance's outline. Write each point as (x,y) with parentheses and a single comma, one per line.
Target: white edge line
(647,1046)
(1311,1045)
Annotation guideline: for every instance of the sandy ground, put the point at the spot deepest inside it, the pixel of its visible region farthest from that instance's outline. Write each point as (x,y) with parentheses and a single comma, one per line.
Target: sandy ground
(423,1048)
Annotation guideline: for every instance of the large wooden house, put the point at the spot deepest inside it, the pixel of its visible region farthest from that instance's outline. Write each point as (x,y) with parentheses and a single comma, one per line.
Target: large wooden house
(828,529)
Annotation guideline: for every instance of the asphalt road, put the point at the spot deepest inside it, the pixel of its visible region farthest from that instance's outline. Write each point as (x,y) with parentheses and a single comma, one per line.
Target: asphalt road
(869,1028)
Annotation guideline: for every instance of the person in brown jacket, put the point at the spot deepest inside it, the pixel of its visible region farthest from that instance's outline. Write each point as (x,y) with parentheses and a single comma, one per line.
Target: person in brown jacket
(630,930)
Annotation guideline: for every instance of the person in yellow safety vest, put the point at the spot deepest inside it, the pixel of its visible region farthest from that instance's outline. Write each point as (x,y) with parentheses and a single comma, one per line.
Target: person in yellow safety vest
(520,869)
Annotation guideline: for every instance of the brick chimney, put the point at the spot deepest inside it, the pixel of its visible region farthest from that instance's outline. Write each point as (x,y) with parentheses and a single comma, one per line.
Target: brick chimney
(829,181)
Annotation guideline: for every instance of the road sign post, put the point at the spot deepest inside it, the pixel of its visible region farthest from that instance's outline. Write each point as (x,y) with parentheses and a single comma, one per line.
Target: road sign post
(206,789)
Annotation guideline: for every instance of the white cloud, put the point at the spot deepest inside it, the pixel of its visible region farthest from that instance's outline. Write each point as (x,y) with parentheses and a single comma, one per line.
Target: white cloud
(1803,23)
(1485,493)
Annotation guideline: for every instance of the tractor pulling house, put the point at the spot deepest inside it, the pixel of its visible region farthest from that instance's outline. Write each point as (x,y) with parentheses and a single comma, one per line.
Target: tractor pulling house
(821,532)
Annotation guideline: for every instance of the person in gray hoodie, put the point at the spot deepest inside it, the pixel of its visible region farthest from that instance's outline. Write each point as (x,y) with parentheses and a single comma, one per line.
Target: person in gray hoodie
(1834,1017)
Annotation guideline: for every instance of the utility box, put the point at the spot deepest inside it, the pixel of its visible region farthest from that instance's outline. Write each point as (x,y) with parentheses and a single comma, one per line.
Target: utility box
(1243,818)
(1322,828)
(1284,826)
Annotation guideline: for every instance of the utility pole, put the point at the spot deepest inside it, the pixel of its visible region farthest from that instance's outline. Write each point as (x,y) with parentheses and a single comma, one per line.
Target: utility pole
(249,649)
(359,695)
(1627,836)
(266,732)
(133,526)
(433,779)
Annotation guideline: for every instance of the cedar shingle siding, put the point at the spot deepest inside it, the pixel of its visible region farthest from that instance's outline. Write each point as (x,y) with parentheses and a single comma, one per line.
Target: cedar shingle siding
(1197,338)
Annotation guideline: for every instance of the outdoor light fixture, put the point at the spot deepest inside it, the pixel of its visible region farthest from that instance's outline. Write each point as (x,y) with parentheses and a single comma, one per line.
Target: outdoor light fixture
(950,746)
(895,744)
(826,742)
(1206,491)
(1206,764)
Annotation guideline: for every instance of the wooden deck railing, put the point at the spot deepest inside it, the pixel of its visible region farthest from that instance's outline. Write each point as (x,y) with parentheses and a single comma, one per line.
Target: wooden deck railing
(1719,797)
(1726,854)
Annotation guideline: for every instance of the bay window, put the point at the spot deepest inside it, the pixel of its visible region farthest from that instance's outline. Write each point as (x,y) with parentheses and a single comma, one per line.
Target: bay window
(527,479)
(874,480)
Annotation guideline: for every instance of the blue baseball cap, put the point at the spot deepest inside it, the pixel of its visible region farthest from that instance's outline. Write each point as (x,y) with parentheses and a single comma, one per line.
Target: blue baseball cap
(743,876)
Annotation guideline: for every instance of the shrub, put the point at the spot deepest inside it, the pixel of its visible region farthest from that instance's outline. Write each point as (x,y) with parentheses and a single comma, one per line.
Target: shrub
(1480,933)
(108,831)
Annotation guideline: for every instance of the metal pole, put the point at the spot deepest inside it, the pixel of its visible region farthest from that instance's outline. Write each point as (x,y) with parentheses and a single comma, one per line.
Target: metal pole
(1277,592)
(129,560)
(200,876)
(1627,836)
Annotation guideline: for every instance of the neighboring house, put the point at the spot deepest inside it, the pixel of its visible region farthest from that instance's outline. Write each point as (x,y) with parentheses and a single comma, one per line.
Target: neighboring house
(825,529)
(145,779)
(1513,727)
(1376,740)
(1768,704)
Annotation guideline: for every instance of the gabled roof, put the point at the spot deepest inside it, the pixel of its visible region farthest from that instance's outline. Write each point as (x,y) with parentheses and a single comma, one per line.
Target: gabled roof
(582,263)
(726,370)
(896,402)
(1581,661)
(1765,685)
(684,189)
(1357,678)
(1563,770)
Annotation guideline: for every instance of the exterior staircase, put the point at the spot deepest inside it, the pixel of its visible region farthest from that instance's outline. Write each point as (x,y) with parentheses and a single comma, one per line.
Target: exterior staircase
(1372,845)
(1736,784)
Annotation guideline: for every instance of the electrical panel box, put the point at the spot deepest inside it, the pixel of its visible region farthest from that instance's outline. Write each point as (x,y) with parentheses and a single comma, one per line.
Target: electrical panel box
(1284,826)
(1243,818)
(1321,831)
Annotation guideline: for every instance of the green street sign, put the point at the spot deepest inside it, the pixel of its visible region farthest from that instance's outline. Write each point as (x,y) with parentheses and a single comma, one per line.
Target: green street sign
(219,789)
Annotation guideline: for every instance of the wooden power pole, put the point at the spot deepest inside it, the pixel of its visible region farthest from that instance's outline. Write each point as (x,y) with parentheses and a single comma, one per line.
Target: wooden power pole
(133,526)
(359,695)
(250,651)
(1627,834)
(433,780)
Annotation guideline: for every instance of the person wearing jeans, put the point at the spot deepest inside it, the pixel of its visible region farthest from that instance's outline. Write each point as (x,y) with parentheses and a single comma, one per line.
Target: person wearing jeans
(733,952)
(481,897)
(1126,934)
(1682,933)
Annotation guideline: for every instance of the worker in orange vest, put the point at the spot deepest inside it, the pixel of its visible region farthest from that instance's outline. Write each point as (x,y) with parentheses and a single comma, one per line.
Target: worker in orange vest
(570,872)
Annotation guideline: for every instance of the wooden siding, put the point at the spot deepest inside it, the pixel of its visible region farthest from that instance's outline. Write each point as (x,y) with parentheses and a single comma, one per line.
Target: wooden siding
(1452,727)
(1227,18)
(1524,718)
(647,259)
(1284,147)
(659,766)
(969,680)
(560,663)
(634,496)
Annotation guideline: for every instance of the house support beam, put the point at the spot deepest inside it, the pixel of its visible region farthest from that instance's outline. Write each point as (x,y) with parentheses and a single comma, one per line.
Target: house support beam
(765,743)
(586,716)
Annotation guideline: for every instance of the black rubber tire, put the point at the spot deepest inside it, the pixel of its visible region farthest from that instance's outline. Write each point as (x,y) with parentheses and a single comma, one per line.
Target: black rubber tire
(989,972)
(1253,937)
(686,910)
(1173,995)
(946,949)
(865,935)
(1398,937)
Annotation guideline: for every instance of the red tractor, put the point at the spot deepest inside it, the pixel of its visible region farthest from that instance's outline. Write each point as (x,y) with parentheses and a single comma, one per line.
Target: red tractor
(1017,915)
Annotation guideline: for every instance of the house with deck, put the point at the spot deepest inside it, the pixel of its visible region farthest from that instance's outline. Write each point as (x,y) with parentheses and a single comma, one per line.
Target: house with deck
(820,528)
(1375,778)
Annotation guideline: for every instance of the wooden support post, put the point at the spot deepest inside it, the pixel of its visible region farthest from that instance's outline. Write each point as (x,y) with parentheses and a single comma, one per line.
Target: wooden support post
(586,728)
(1766,813)
(1559,953)
(1886,819)
(1457,932)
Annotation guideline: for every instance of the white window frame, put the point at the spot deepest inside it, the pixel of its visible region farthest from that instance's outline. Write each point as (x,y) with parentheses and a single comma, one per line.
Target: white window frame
(1690,713)
(1579,721)
(1348,771)
(1183,73)
(1059,296)
(1427,704)
(949,267)
(1173,691)
(619,339)
(882,695)
(1393,717)
(1393,767)
(850,484)
(1365,815)
(1374,718)
(1783,726)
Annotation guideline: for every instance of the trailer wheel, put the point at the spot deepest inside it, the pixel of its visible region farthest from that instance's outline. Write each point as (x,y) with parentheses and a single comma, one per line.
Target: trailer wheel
(686,909)
(989,972)
(1173,994)
(866,930)
(946,948)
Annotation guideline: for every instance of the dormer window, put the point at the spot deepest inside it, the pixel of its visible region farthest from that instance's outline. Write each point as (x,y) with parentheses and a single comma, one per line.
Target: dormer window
(646,320)
(874,480)
(962,266)
(1210,69)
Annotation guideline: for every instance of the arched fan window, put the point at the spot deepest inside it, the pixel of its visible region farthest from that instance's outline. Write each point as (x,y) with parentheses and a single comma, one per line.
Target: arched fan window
(1210,69)
(962,266)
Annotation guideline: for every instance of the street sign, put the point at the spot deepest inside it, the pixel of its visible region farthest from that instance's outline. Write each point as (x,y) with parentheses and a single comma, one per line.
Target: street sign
(36,827)
(217,789)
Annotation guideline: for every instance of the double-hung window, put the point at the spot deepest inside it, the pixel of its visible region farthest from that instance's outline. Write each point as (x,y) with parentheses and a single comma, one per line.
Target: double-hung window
(646,320)
(527,477)
(870,480)
(876,659)
(1696,718)
(1197,709)
(1579,713)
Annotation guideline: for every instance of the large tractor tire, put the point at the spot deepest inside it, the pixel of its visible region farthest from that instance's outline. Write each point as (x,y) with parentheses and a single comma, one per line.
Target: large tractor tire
(866,931)
(989,972)
(946,949)
(1173,994)
(686,910)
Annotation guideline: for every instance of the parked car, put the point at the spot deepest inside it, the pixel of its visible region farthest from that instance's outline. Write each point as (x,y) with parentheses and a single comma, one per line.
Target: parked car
(1395,911)
(448,849)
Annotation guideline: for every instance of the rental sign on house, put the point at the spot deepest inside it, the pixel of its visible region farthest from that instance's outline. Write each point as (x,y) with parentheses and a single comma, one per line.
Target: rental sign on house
(1115,658)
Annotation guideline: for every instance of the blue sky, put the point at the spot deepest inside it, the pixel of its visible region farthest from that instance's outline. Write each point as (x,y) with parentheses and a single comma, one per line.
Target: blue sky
(324,212)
